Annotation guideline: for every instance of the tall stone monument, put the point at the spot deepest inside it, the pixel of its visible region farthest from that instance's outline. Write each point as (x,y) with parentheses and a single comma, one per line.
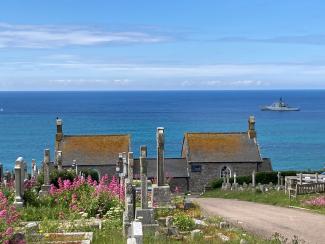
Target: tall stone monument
(19,183)
(161,191)
(46,170)
(145,214)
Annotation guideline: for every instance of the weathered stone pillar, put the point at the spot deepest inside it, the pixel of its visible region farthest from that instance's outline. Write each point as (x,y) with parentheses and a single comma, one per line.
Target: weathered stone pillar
(160,156)
(19,183)
(160,192)
(59,160)
(235,178)
(145,214)
(253,179)
(279,177)
(46,170)
(130,166)
(144,186)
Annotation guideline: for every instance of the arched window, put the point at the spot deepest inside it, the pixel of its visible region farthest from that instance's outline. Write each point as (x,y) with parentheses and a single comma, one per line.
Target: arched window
(225,171)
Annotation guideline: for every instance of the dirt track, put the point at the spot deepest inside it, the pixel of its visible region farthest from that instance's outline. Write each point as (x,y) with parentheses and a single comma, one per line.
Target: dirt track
(265,220)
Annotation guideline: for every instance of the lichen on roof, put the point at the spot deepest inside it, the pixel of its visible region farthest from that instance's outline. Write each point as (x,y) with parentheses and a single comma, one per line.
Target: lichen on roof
(220,147)
(93,149)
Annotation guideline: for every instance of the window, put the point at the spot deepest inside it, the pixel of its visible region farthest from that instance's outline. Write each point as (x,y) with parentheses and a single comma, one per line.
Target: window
(196,168)
(225,171)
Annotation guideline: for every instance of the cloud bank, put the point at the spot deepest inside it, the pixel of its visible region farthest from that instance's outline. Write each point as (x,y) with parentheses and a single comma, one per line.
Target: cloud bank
(42,36)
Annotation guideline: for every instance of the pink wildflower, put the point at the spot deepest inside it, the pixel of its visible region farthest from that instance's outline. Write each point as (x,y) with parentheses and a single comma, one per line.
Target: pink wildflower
(3,213)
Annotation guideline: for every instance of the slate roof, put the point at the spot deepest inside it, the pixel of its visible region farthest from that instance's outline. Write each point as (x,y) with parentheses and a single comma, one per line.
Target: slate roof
(220,148)
(174,167)
(93,149)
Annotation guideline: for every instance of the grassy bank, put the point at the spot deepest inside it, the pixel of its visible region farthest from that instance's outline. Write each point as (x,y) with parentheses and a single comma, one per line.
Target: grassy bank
(277,198)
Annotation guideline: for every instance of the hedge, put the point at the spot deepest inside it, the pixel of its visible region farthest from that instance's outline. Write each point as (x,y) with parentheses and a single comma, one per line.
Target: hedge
(261,177)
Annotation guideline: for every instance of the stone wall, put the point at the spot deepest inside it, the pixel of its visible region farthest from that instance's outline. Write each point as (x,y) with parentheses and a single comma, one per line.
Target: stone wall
(265,166)
(211,171)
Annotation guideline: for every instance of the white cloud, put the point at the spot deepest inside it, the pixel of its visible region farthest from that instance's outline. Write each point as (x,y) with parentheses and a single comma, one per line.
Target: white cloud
(94,82)
(40,36)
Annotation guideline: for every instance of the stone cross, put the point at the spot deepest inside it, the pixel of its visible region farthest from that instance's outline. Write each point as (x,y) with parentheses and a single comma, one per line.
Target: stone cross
(160,156)
(130,166)
(125,165)
(279,176)
(19,183)
(1,172)
(46,170)
(253,179)
(143,175)
(59,160)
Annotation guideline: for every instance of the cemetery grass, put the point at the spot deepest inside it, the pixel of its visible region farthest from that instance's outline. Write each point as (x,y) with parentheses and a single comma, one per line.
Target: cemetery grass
(277,198)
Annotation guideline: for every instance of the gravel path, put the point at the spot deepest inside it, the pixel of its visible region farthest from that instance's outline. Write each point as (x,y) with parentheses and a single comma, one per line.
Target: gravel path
(265,220)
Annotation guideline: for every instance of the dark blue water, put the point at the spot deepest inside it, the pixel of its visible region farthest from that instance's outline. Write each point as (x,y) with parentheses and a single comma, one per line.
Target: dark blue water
(294,140)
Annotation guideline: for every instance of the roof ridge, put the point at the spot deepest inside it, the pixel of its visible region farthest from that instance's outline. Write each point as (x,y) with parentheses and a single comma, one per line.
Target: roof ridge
(227,132)
(99,135)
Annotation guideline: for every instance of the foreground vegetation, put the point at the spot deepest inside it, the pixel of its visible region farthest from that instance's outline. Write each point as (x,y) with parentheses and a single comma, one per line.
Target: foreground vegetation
(77,204)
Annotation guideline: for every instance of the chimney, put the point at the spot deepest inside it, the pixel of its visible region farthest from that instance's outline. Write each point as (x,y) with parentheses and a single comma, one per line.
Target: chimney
(59,131)
(251,127)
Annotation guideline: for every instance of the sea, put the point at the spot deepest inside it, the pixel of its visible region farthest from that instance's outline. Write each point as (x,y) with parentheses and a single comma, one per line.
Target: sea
(293,140)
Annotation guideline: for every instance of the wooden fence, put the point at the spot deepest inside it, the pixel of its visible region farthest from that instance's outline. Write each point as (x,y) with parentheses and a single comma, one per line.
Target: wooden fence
(304,184)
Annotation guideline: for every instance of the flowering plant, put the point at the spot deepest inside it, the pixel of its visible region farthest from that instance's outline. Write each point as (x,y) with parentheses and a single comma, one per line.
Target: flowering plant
(8,218)
(86,195)
(317,202)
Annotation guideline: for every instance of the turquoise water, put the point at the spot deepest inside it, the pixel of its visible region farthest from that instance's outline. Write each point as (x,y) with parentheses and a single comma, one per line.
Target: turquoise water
(294,140)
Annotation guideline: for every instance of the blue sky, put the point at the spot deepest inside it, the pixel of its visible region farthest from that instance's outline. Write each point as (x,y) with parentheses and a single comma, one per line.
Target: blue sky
(155,45)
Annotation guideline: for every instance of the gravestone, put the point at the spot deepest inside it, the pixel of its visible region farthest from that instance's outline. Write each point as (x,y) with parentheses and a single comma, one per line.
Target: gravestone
(46,170)
(160,192)
(145,214)
(59,160)
(19,183)
(136,235)
(125,165)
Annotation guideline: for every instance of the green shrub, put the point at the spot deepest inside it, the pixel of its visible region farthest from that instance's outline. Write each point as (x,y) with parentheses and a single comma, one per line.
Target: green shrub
(55,175)
(184,222)
(93,173)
